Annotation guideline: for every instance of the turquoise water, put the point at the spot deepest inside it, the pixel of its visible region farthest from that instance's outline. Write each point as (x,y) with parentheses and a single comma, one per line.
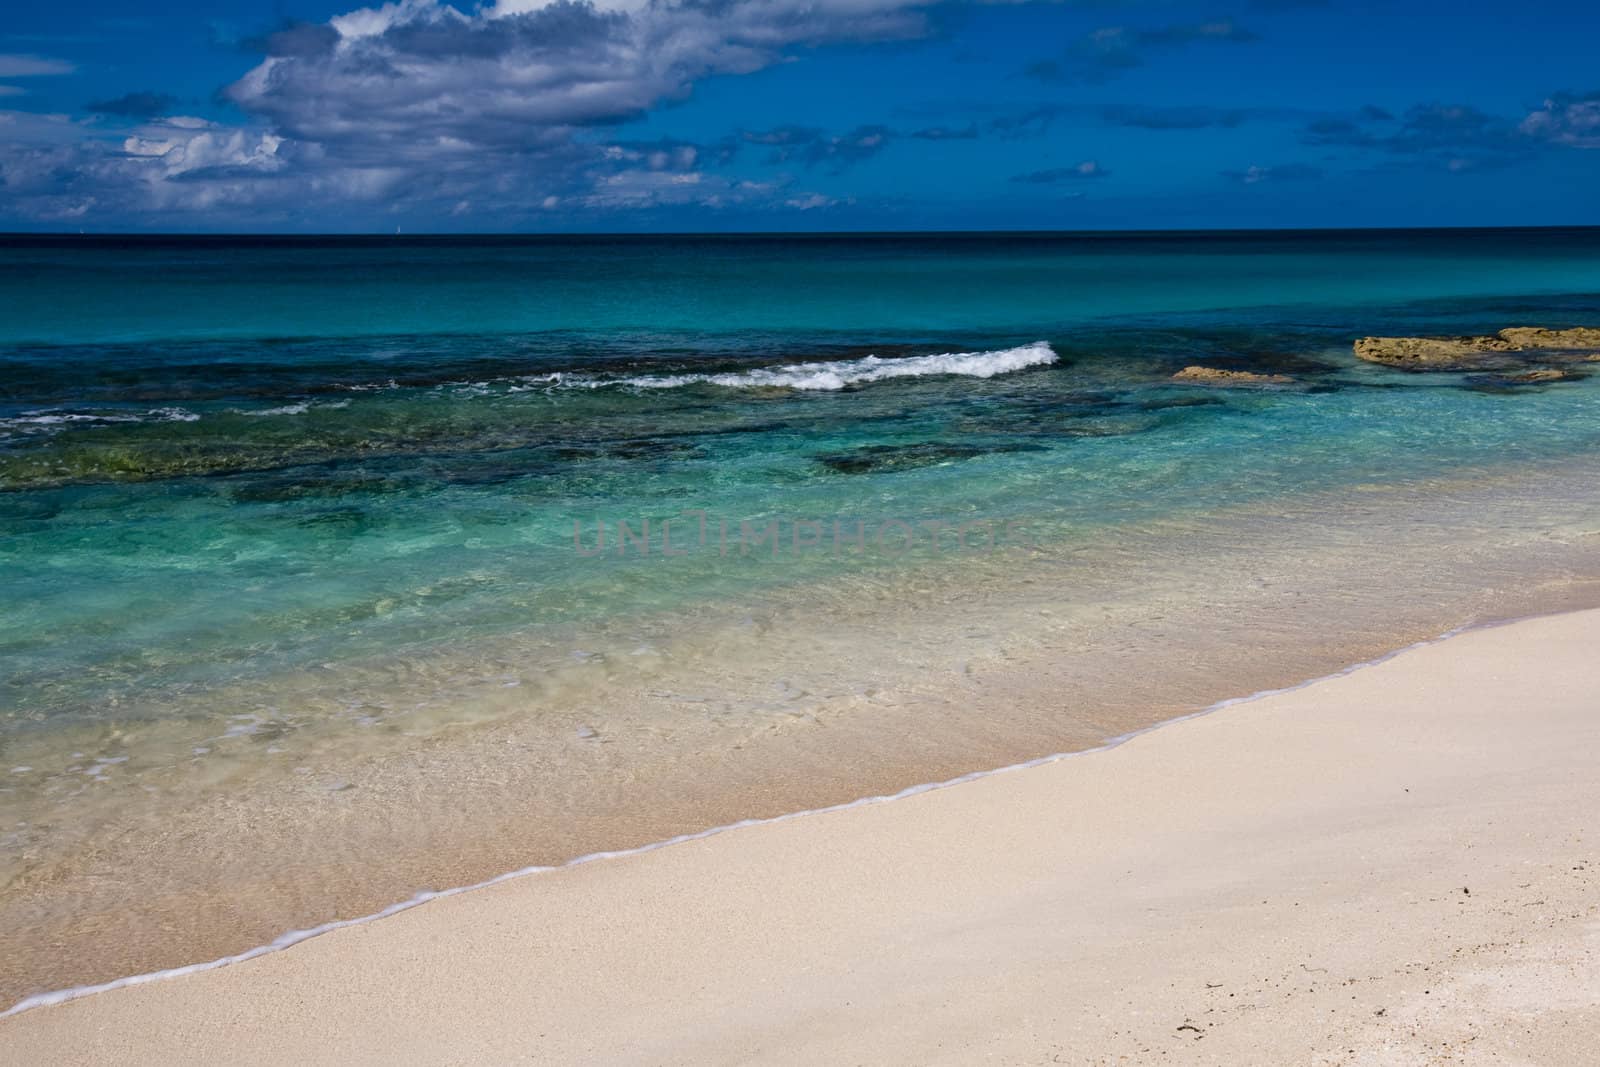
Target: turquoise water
(306,605)
(227,459)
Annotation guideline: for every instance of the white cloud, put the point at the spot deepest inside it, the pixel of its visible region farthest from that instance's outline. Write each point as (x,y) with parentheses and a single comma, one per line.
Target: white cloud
(182,145)
(810,202)
(34,127)
(1088,168)
(415,104)
(21,66)
(521,73)
(1567,119)
(504,8)
(56,169)
(1287,172)
(642,188)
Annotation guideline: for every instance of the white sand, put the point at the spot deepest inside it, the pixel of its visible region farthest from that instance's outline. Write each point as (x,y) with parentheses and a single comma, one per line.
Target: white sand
(1395,866)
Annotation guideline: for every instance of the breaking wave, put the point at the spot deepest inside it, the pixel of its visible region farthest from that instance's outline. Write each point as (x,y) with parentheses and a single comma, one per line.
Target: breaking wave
(838,375)
(51,421)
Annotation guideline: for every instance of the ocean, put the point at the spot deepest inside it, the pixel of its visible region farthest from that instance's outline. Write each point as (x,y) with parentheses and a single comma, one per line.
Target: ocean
(339,568)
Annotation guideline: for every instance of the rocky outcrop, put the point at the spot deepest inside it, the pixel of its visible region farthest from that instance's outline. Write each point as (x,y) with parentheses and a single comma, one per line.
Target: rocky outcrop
(1214,376)
(1516,346)
(1582,338)
(1436,353)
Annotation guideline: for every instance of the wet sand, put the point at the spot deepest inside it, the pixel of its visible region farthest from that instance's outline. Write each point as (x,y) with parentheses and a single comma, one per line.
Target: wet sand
(1396,865)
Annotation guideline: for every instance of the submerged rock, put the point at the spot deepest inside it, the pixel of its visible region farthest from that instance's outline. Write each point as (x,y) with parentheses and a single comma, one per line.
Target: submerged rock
(630,449)
(1543,374)
(875,458)
(1216,376)
(1512,347)
(1512,383)
(1166,403)
(308,486)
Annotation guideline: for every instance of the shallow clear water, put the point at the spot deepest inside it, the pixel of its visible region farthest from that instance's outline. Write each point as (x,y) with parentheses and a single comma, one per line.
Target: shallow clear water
(224,458)
(355,488)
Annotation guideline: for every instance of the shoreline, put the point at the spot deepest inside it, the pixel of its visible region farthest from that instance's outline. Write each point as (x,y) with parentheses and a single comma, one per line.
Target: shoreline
(291,938)
(1294,798)
(230,876)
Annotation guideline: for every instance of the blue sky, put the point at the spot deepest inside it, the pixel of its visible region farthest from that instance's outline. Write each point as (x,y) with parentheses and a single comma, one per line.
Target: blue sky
(531,115)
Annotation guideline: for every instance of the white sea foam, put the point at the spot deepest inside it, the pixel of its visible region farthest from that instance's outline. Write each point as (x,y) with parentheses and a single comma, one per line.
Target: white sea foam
(289,409)
(61,418)
(838,375)
(47,421)
(814,376)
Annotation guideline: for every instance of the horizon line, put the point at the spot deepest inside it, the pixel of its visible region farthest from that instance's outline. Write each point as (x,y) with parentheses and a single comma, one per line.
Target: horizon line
(530,234)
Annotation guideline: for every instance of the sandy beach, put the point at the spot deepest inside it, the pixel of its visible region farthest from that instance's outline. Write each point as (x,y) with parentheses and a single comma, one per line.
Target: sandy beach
(878,532)
(1395,865)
